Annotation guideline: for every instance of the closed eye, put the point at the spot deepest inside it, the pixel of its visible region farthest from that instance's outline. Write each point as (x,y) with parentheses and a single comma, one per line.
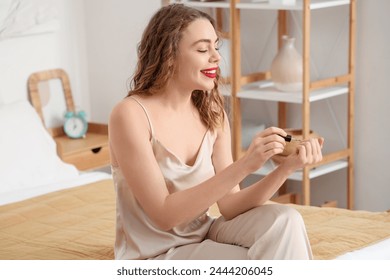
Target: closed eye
(204,51)
(205,48)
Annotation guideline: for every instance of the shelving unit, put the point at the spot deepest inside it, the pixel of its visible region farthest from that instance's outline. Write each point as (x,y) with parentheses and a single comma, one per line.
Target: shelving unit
(258,86)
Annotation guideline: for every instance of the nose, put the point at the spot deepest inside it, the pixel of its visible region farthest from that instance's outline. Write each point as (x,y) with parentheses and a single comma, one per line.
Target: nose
(215,56)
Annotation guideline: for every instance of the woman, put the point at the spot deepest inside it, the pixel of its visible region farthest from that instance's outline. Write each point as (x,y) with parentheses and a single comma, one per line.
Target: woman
(171,158)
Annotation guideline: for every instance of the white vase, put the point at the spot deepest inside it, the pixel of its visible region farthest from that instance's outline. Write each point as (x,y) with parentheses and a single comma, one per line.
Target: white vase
(286,67)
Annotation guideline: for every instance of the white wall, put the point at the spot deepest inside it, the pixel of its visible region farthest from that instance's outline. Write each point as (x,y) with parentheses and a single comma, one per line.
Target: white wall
(372,106)
(63,48)
(114,29)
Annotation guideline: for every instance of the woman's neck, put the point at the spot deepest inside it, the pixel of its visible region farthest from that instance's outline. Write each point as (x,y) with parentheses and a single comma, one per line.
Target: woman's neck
(175,98)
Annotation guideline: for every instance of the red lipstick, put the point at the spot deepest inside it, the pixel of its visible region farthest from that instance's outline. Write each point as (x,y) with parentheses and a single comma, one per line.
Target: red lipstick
(210,72)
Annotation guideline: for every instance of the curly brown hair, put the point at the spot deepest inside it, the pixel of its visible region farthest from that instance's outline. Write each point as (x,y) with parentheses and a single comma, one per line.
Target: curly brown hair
(157,53)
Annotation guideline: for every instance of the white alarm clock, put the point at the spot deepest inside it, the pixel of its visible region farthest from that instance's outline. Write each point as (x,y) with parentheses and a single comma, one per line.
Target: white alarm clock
(75,125)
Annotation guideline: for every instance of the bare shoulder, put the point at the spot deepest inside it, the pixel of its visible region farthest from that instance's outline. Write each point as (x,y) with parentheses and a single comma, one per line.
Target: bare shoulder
(128,131)
(128,112)
(124,109)
(128,117)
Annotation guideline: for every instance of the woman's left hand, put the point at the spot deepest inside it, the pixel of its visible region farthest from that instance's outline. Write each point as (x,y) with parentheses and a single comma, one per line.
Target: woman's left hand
(308,152)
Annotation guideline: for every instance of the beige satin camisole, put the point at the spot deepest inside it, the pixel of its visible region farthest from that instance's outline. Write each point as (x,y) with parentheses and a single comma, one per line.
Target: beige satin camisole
(136,235)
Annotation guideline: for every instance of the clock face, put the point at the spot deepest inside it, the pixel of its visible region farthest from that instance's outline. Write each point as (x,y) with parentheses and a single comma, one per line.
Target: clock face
(75,127)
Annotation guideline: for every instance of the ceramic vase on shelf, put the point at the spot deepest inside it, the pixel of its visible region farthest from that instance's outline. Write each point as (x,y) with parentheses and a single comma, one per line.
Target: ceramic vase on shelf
(286,67)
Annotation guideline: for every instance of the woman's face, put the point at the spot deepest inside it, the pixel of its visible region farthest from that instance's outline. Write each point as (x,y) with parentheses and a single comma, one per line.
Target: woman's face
(198,56)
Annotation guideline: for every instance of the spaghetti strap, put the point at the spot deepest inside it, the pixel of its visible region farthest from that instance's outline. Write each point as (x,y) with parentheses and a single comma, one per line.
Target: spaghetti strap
(147,115)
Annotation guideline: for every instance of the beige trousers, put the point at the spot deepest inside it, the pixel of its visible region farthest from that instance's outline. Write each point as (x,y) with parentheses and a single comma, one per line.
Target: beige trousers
(268,232)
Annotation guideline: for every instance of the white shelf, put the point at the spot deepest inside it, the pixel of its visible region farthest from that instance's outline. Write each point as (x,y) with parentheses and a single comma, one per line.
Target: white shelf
(266,91)
(203,4)
(265,5)
(298,6)
(298,175)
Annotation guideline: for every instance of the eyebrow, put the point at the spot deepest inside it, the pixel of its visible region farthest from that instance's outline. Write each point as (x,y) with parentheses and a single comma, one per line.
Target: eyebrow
(204,41)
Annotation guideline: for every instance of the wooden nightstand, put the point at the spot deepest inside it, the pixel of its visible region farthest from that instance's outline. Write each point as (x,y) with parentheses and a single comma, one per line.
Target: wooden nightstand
(86,153)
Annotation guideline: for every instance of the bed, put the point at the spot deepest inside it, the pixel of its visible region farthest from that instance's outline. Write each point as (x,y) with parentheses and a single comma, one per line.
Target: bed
(50,210)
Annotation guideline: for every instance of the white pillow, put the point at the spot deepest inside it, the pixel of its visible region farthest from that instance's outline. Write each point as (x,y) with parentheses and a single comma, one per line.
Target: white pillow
(28,156)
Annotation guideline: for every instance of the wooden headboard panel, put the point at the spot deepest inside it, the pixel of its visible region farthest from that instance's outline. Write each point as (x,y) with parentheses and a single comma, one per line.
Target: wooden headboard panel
(35,99)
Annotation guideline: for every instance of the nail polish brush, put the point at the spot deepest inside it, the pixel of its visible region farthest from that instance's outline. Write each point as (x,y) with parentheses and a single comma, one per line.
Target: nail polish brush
(289,138)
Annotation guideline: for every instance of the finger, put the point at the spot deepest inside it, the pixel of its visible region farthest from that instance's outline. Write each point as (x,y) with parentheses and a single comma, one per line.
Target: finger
(275,147)
(273,130)
(301,151)
(319,151)
(308,148)
(259,140)
(321,141)
(315,146)
(274,138)
(304,151)
(316,150)
(269,149)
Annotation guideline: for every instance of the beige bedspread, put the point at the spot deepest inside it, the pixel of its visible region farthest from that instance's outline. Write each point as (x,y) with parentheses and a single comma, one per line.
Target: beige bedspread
(79,223)
(335,231)
(74,224)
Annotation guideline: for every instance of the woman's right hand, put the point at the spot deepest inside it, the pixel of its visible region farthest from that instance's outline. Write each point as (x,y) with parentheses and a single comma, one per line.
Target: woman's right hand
(264,145)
